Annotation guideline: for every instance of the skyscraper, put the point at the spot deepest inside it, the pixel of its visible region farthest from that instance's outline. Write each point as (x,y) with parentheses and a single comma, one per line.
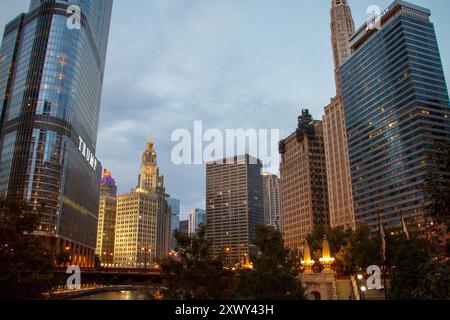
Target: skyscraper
(174,205)
(342,28)
(136,229)
(304,198)
(272,200)
(184,227)
(107,220)
(396,108)
(339,184)
(143,217)
(197,217)
(234,206)
(50,88)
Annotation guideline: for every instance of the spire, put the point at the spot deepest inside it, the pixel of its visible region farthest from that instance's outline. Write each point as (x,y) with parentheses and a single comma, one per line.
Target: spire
(149,155)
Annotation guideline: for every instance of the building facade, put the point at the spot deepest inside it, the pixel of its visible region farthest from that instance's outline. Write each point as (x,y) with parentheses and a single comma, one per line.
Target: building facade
(136,229)
(340,193)
(304,197)
(272,200)
(197,217)
(106,220)
(50,89)
(234,206)
(396,108)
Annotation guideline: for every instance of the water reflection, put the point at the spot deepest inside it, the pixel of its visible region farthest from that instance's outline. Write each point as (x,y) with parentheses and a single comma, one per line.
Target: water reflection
(119,295)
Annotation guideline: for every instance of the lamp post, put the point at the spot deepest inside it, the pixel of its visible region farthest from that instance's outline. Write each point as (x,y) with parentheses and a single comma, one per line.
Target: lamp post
(363,290)
(228,250)
(359,278)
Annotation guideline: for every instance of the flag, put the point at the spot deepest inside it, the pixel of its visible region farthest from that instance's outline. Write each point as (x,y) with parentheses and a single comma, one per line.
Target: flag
(405,229)
(383,242)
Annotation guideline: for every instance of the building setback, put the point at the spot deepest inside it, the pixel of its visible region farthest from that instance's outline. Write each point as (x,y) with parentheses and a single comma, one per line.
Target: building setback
(51,81)
(272,200)
(396,109)
(234,206)
(340,196)
(304,198)
(106,220)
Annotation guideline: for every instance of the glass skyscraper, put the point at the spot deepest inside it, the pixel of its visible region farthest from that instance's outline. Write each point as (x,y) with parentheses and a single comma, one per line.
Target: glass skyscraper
(51,76)
(396,108)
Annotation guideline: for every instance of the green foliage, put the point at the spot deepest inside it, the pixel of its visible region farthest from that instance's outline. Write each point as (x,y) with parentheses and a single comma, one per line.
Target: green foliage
(361,249)
(407,258)
(26,268)
(275,275)
(437,185)
(352,250)
(337,237)
(194,274)
(435,285)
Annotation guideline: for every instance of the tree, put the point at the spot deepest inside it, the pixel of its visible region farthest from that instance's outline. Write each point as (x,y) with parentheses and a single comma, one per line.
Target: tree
(337,237)
(436,282)
(437,185)
(26,268)
(275,275)
(407,258)
(353,249)
(194,274)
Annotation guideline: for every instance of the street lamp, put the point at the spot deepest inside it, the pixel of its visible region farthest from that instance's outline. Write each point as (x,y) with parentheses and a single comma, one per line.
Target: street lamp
(363,290)
(228,250)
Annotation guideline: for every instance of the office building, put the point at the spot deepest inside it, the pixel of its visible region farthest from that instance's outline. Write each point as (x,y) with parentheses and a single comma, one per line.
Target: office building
(304,198)
(272,200)
(234,206)
(396,108)
(106,220)
(51,80)
(184,227)
(339,184)
(143,218)
(197,217)
(174,205)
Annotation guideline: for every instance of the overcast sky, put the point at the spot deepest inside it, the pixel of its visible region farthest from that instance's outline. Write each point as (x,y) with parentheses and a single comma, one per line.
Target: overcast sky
(230,63)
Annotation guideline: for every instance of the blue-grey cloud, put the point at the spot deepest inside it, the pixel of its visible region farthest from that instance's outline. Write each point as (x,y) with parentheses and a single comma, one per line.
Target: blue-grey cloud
(230,63)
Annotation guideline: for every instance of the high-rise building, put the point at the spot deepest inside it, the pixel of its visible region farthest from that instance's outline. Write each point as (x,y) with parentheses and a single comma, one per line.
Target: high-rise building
(143,217)
(304,198)
(184,227)
(342,28)
(396,108)
(136,229)
(150,180)
(197,217)
(272,200)
(174,205)
(106,220)
(339,184)
(234,206)
(50,89)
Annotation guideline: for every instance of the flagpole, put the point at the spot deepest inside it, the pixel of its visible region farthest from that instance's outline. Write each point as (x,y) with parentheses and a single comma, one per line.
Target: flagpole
(383,253)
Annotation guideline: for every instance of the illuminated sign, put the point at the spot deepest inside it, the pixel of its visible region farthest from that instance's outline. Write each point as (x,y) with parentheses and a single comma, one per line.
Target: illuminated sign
(87,154)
